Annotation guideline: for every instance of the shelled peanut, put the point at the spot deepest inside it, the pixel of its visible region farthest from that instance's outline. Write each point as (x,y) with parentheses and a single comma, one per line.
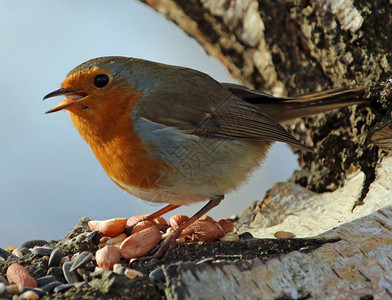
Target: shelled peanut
(136,237)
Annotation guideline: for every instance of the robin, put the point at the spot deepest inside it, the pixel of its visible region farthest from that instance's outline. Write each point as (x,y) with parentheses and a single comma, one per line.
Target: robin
(174,135)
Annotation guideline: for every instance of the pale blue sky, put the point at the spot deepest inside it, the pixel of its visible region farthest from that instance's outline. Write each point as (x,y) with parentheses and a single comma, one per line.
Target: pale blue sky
(49,177)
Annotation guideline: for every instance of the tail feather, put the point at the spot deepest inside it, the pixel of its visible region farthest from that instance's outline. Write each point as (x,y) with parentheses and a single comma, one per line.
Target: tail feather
(284,109)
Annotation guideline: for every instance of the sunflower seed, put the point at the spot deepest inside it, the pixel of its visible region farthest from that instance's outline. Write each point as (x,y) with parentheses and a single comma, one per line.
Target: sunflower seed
(71,277)
(56,272)
(63,287)
(55,258)
(33,243)
(42,251)
(245,236)
(4,253)
(157,275)
(81,284)
(45,280)
(25,250)
(51,286)
(95,237)
(81,260)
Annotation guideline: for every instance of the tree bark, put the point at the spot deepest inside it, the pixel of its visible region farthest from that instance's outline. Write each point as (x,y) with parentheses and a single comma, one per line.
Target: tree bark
(290,46)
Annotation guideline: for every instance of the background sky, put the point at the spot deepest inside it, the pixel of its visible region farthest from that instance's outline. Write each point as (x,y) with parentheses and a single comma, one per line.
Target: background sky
(49,178)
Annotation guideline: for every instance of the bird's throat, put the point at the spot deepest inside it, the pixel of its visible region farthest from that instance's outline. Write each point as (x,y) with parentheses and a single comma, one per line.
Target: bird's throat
(120,151)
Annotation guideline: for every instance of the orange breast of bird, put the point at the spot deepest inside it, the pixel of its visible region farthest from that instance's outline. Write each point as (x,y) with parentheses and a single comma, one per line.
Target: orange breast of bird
(110,133)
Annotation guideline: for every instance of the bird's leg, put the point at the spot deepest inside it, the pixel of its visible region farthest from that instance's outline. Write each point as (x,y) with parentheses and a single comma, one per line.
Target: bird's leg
(161,212)
(169,242)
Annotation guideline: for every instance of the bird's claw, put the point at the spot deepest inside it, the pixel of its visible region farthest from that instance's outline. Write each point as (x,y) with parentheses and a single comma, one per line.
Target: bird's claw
(166,246)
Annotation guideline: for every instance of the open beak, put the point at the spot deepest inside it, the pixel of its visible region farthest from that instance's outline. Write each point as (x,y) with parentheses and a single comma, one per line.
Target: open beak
(73,97)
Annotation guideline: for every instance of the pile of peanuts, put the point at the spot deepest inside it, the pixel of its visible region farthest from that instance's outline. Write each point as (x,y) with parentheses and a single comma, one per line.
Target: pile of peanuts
(145,235)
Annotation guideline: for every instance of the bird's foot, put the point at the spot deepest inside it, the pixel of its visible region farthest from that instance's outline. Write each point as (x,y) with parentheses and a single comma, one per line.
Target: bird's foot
(164,248)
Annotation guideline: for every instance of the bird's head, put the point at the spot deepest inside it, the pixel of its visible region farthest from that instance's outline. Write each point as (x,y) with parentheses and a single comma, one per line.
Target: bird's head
(96,89)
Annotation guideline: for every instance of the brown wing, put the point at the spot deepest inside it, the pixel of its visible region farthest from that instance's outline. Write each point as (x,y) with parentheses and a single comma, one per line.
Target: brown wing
(194,102)
(236,119)
(231,118)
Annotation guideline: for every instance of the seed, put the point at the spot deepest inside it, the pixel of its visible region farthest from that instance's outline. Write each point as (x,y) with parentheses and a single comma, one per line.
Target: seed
(63,288)
(25,250)
(42,251)
(17,252)
(39,292)
(139,244)
(159,221)
(206,218)
(116,239)
(70,276)
(177,220)
(81,260)
(17,274)
(55,258)
(226,225)
(81,284)
(203,231)
(45,280)
(107,257)
(110,228)
(29,295)
(230,237)
(4,253)
(141,226)
(12,289)
(51,286)
(157,275)
(245,236)
(284,235)
(104,239)
(119,269)
(181,240)
(95,236)
(33,243)
(132,221)
(130,273)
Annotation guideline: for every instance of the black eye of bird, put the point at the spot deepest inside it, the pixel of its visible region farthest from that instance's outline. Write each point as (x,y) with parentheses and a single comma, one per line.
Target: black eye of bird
(101,80)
